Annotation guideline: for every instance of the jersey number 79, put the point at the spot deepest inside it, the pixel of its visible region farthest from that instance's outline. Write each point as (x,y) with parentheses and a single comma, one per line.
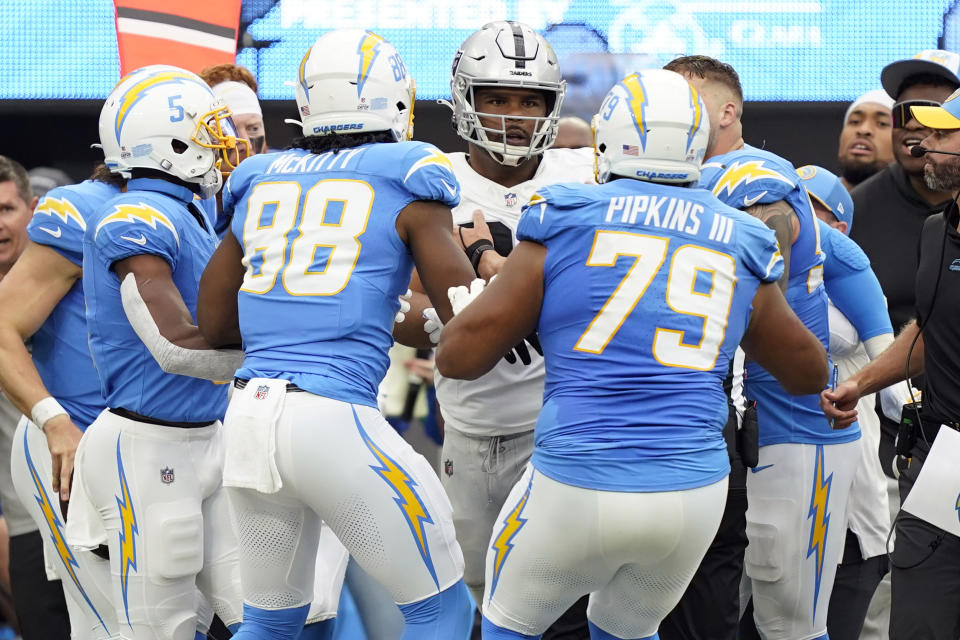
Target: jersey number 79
(688,262)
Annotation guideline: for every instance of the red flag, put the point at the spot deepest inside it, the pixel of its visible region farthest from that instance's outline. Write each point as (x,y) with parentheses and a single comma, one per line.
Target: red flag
(184,33)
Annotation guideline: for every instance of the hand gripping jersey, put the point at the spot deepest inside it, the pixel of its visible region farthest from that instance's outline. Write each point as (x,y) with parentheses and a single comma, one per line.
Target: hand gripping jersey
(153,217)
(749,176)
(60,351)
(647,292)
(851,284)
(508,398)
(324,263)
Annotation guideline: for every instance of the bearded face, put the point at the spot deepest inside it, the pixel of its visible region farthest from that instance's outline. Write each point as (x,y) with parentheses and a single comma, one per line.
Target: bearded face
(943,175)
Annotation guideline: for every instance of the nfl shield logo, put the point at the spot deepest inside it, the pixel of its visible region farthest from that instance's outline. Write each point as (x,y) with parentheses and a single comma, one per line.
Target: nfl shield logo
(448,467)
(510,199)
(262,392)
(166,475)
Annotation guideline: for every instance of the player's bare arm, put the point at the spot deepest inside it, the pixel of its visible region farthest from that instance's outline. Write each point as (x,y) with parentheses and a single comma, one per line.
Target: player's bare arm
(427,228)
(490,261)
(888,368)
(780,217)
(156,312)
(39,279)
(506,312)
(778,341)
(154,281)
(217,314)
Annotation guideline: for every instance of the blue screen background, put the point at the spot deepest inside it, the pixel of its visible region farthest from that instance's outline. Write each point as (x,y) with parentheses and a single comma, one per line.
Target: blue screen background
(816,50)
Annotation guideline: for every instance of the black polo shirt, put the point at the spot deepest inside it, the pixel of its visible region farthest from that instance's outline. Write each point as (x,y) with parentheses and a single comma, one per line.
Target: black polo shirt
(938,313)
(888,217)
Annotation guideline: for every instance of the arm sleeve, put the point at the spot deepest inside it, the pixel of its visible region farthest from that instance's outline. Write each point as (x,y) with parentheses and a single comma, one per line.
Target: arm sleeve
(59,224)
(136,228)
(852,285)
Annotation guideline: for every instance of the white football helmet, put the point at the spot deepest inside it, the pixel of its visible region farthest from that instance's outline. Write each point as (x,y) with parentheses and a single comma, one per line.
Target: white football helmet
(505,54)
(353,81)
(652,126)
(166,118)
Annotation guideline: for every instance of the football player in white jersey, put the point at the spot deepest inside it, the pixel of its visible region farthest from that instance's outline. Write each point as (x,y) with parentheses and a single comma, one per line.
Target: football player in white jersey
(507,92)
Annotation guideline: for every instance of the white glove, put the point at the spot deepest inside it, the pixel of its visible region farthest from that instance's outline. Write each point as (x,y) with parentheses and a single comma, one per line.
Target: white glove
(433,326)
(460,296)
(404,307)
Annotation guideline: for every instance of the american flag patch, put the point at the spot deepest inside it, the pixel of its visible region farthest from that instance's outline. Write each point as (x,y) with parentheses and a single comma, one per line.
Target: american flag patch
(630,150)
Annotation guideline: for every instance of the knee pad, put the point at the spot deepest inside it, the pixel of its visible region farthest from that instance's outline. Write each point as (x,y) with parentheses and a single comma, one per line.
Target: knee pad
(175,544)
(771,540)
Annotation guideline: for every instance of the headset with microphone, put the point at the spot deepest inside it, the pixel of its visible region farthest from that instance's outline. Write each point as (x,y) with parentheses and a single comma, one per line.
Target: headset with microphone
(916,151)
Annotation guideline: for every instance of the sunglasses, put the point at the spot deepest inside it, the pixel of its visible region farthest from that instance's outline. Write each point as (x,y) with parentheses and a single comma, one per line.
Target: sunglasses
(901,111)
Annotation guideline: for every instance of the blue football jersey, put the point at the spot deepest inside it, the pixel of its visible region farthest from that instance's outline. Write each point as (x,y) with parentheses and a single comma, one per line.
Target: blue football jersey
(647,292)
(153,217)
(851,284)
(749,176)
(324,264)
(60,351)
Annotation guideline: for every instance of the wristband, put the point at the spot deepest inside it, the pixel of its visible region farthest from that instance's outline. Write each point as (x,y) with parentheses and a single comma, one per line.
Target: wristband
(45,410)
(476,250)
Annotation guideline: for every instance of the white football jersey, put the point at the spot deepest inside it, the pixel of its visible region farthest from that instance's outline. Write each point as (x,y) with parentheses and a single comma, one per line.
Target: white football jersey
(508,398)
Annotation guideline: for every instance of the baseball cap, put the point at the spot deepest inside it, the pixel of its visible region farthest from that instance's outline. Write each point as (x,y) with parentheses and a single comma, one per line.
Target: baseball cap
(826,188)
(946,116)
(938,62)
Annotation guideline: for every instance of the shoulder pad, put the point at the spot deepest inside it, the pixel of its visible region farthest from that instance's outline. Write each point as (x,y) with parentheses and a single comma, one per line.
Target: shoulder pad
(563,196)
(746,177)
(135,209)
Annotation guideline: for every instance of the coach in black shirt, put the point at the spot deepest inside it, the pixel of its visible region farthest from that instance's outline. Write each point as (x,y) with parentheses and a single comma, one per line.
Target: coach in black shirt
(926,559)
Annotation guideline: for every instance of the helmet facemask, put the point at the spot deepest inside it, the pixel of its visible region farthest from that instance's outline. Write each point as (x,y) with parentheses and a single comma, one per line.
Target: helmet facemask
(493,136)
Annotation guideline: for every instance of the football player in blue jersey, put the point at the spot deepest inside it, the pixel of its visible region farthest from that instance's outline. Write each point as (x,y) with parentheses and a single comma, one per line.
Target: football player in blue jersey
(59,388)
(860,330)
(640,288)
(148,469)
(797,492)
(323,240)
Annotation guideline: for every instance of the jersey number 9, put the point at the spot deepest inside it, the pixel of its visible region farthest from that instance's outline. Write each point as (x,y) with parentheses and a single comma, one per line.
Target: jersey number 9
(688,262)
(313,250)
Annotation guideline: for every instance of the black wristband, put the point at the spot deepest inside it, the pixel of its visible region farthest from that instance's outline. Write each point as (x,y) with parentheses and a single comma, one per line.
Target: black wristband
(475,250)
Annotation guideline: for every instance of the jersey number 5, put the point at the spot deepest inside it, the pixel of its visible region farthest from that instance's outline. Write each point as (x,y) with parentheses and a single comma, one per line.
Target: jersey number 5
(688,262)
(316,260)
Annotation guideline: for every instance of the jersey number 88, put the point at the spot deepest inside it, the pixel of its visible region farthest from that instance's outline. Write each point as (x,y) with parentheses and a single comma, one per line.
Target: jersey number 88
(334,215)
